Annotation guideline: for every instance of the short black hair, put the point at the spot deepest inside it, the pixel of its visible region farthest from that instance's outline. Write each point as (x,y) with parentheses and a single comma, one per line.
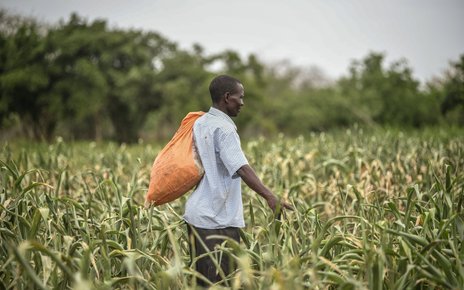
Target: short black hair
(221,85)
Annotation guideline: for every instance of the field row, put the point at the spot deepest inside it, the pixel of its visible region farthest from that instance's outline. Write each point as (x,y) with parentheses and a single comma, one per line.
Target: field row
(379,210)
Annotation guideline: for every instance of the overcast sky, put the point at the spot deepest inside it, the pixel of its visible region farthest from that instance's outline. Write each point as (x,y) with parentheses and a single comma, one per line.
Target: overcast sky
(325,33)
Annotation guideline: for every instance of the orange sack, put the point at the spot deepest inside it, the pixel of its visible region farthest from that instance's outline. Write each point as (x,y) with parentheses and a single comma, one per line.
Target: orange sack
(177,168)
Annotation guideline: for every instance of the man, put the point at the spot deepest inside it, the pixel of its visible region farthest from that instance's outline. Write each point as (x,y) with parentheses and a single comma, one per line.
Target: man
(215,206)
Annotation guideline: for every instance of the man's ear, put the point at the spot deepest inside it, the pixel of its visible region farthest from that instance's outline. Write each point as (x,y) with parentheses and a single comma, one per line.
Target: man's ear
(226,97)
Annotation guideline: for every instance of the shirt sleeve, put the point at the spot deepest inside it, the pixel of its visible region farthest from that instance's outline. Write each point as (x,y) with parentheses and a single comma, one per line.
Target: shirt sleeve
(231,152)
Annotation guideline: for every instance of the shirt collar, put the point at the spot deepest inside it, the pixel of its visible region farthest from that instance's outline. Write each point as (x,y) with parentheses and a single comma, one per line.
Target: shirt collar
(218,113)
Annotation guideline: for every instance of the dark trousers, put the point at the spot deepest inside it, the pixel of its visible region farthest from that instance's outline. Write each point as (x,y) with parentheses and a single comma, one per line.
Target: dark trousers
(205,265)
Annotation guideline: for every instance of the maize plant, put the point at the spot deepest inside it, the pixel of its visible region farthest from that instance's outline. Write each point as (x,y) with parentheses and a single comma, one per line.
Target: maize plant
(373,210)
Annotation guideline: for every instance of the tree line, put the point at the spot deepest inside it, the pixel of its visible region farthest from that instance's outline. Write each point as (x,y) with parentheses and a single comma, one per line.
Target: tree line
(83,79)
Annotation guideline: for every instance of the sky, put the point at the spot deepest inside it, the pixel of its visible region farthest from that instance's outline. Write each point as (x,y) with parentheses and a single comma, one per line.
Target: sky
(328,34)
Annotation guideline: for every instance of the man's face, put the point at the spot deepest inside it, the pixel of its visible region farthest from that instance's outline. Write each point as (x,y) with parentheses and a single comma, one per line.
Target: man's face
(234,101)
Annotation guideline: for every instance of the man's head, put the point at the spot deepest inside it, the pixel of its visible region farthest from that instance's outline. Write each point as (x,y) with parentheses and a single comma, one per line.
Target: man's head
(227,94)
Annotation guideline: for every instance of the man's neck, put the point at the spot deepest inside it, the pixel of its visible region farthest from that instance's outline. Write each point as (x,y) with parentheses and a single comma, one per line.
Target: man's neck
(220,108)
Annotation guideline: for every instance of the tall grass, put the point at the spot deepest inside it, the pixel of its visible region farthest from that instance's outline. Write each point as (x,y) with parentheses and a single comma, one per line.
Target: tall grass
(379,210)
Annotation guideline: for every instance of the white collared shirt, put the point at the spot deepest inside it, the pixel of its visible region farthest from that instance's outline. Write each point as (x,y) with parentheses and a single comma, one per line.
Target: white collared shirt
(217,201)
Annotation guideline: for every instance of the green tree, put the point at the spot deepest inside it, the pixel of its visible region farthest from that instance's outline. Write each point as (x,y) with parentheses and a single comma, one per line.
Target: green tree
(23,75)
(78,88)
(184,83)
(452,89)
(387,96)
(108,73)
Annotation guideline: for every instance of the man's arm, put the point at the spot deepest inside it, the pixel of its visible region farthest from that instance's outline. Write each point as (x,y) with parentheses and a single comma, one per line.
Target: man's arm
(252,180)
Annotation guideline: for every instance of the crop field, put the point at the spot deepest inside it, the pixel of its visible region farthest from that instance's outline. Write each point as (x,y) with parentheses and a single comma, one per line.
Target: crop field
(377,210)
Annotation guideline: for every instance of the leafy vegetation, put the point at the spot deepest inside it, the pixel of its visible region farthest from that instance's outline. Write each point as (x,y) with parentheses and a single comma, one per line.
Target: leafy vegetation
(85,80)
(374,210)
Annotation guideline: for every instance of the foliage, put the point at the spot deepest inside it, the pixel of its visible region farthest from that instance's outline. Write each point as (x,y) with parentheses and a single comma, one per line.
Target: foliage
(378,210)
(387,96)
(452,88)
(86,80)
(24,79)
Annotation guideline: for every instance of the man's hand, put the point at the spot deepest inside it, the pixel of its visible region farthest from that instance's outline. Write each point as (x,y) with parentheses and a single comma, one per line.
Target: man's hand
(277,205)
